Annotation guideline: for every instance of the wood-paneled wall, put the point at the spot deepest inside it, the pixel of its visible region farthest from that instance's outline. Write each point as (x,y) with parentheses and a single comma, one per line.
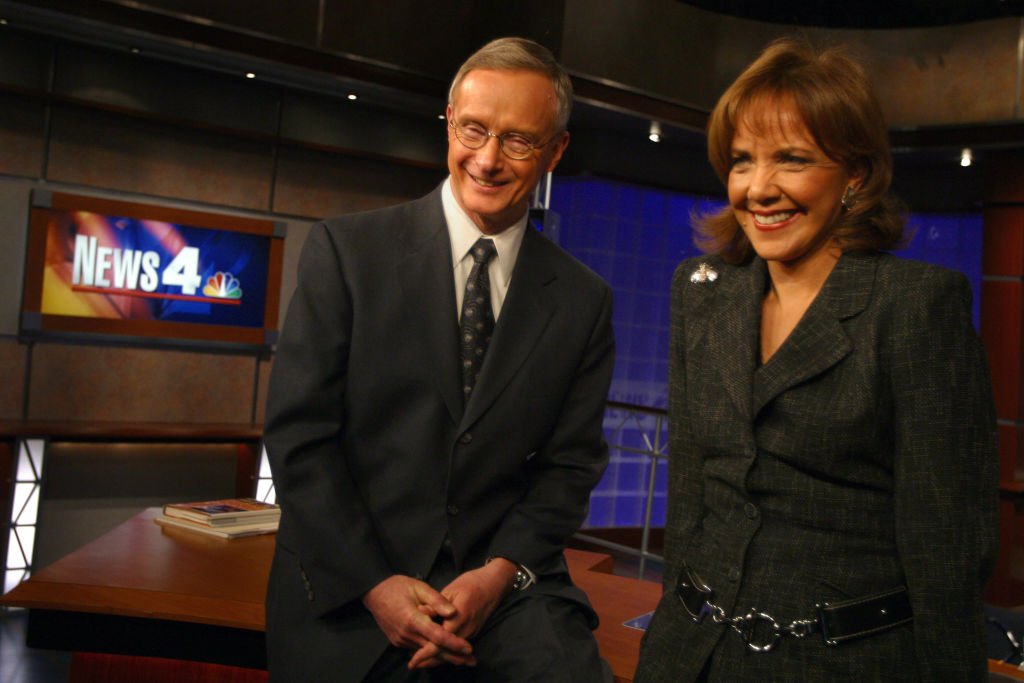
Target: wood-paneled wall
(112,124)
(88,121)
(1002,330)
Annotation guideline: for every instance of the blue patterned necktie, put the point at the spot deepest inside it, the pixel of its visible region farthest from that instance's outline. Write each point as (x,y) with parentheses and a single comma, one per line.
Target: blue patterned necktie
(477,322)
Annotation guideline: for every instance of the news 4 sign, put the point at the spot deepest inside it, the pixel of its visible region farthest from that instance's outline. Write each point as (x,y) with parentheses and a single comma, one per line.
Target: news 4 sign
(118,267)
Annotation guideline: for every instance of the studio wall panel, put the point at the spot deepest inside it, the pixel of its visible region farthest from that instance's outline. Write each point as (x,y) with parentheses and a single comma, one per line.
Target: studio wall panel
(1006,587)
(1011,466)
(22,136)
(261,391)
(676,57)
(433,38)
(13,367)
(295,20)
(121,153)
(321,185)
(1002,330)
(25,60)
(941,75)
(1004,178)
(137,83)
(342,124)
(92,487)
(122,384)
(297,233)
(14,207)
(943,187)
(959,73)
(1004,241)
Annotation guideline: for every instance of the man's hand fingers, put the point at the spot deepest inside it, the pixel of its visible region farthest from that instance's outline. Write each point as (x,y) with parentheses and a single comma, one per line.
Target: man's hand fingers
(430,655)
(406,609)
(425,657)
(445,640)
(428,597)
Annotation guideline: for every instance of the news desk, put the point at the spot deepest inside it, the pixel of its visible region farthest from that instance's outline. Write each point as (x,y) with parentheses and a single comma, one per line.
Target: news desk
(196,603)
(163,605)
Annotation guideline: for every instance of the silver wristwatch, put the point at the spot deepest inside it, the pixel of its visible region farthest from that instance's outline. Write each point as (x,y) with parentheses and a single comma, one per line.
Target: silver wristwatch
(524,579)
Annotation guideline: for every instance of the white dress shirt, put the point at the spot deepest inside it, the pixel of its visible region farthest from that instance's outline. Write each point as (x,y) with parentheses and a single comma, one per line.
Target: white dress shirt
(463,234)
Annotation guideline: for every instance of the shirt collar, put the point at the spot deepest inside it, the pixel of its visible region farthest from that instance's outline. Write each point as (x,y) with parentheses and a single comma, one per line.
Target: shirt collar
(463,234)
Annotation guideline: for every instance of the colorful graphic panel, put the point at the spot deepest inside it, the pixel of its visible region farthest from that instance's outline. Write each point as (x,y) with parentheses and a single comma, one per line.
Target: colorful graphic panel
(107,268)
(134,269)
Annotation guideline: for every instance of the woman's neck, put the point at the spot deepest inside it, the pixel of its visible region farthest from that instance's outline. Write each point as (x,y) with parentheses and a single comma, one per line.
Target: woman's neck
(798,281)
(792,289)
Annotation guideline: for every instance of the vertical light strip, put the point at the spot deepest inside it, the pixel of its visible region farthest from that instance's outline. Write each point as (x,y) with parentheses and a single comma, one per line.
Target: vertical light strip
(264,483)
(542,193)
(24,511)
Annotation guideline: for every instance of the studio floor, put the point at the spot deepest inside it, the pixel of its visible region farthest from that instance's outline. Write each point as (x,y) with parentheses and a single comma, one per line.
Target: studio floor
(22,664)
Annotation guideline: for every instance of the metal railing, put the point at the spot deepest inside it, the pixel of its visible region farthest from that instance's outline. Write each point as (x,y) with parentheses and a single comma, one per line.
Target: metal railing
(650,424)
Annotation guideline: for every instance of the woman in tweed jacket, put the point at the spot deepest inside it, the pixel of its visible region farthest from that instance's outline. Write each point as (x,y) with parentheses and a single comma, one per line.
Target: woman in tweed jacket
(832,430)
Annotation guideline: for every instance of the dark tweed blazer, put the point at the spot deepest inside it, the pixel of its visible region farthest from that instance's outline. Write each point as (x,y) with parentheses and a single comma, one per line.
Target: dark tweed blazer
(860,457)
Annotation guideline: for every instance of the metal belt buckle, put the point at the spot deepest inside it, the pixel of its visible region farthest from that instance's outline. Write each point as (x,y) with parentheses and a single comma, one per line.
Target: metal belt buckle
(759,630)
(694,594)
(747,625)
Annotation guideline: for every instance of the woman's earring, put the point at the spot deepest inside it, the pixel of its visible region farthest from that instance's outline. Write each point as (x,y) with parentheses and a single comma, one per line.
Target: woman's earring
(848,199)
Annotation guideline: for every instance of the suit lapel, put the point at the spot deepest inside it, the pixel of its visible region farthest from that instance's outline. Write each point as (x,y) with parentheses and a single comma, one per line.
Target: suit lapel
(427,280)
(524,316)
(818,342)
(728,339)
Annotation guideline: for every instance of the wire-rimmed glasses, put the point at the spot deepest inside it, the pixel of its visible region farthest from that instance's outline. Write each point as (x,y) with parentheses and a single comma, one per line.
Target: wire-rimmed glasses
(513,145)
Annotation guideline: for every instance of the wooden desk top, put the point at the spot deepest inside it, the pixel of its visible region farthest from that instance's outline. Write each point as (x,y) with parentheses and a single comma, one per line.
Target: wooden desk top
(140,569)
(998,672)
(616,599)
(131,431)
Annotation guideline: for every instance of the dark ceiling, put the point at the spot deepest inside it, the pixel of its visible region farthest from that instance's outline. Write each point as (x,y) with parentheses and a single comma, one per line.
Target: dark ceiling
(398,64)
(867,14)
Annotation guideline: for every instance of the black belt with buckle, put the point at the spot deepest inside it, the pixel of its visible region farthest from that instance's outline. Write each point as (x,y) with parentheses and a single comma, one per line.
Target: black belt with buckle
(837,622)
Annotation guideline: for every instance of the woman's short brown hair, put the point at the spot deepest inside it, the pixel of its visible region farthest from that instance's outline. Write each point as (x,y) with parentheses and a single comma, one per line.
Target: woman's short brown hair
(835,100)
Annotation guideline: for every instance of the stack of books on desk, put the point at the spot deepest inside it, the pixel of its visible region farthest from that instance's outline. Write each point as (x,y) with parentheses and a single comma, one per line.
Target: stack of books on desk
(225,518)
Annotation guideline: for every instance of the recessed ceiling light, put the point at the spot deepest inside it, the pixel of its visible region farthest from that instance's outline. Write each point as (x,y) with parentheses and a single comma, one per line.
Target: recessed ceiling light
(654,134)
(966,158)
(250,74)
(353,96)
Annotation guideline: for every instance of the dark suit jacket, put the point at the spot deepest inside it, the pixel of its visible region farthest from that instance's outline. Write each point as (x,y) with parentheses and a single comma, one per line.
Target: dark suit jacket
(375,460)
(860,457)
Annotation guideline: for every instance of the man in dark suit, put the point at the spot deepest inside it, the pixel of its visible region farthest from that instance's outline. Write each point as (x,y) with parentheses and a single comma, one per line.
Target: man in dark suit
(430,476)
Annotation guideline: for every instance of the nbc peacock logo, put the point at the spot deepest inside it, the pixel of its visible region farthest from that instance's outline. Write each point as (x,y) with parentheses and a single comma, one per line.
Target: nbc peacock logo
(223,286)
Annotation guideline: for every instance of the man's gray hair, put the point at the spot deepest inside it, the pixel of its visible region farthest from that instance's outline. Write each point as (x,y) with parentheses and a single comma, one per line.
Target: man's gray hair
(521,53)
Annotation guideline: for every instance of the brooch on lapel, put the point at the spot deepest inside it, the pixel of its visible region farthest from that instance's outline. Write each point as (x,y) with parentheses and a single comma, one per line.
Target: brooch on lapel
(704,273)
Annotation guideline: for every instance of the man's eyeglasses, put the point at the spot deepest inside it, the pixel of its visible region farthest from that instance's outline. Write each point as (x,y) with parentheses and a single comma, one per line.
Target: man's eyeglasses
(513,145)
